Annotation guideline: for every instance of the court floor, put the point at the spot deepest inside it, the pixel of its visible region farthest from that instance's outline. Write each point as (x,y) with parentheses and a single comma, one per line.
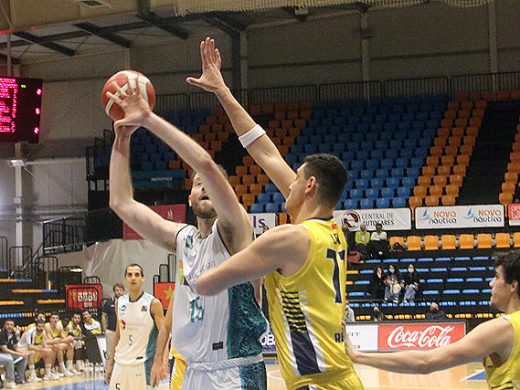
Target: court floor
(464,377)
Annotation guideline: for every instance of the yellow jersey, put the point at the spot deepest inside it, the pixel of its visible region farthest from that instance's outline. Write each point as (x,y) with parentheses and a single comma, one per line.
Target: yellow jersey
(507,374)
(306,311)
(56,332)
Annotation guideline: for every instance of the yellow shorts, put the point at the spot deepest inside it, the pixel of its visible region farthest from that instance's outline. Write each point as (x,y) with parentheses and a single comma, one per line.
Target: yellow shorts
(177,375)
(351,382)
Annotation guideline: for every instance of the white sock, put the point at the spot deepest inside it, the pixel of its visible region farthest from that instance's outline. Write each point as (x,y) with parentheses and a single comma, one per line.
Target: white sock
(69,365)
(62,367)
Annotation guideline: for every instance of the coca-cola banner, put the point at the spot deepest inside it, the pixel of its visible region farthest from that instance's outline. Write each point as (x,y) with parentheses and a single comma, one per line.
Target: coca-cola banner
(478,216)
(513,213)
(403,336)
(391,219)
(262,221)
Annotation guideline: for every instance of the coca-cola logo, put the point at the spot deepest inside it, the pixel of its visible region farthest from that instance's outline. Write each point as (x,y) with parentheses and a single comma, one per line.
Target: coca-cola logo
(433,336)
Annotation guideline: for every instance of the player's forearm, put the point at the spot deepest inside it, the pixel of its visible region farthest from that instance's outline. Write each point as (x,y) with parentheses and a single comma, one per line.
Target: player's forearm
(408,362)
(187,149)
(239,117)
(162,341)
(120,179)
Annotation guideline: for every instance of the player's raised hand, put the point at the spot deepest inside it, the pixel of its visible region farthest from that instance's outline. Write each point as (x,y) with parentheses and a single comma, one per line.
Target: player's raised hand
(211,79)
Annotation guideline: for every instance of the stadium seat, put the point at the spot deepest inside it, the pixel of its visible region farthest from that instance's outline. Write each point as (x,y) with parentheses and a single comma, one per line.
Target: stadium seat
(466,241)
(431,242)
(448,241)
(414,201)
(419,191)
(516,239)
(431,201)
(399,202)
(448,200)
(505,198)
(396,239)
(414,243)
(502,240)
(436,191)
(424,181)
(439,180)
(484,241)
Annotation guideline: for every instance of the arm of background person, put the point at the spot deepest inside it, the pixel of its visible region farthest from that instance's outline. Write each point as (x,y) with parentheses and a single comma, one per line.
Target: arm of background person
(494,336)
(263,150)
(159,370)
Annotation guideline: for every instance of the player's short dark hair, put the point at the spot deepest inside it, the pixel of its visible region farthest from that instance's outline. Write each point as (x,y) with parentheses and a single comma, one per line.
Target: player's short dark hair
(510,262)
(134,265)
(120,285)
(55,313)
(330,173)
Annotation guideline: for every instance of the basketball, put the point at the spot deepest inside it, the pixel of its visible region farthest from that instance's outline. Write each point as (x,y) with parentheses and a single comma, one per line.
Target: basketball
(113,110)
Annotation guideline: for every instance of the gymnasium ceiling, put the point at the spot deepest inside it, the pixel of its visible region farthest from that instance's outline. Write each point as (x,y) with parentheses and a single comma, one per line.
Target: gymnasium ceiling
(41,30)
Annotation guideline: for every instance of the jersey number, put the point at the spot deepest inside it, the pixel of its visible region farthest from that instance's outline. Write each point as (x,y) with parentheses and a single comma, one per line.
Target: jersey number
(196,310)
(334,255)
(130,339)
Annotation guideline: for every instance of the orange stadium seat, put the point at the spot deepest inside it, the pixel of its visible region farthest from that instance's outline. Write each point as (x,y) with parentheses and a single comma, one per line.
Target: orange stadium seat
(241,189)
(428,171)
(453,189)
(432,201)
(240,170)
(463,159)
(469,140)
(461,96)
(454,141)
(490,96)
(283,218)
(475,122)
(505,198)
(280,132)
(456,180)
(419,191)
(273,124)
(436,190)
(466,104)
(475,96)
(444,170)
(480,103)
(248,179)
(262,179)
(502,95)
(174,164)
(451,150)
(431,242)
(484,241)
(283,149)
(415,201)
(447,160)
(255,109)
(464,113)
(457,132)
(255,170)
(447,123)
(511,177)
(306,114)
(473,131)
(288,140)
(508,188)
(294,131)
(287,123)
(267,109)
(248,160)
(443,132)
(466,150)
(424,180)
(440,180)
(299,124)
(477,113)
(448,241)
(466,241)
(516,239)
(440,141)
(396,239)
(292,114)
(223,135)
(452,106)
(515,94)
(432,161)
(215,145)
(459,170)
(279,115)
(513,167)
(448,200)
(247,199)
(461,122)
(450,114)
(256,189)
(514,156)
(414,243)
(502,240)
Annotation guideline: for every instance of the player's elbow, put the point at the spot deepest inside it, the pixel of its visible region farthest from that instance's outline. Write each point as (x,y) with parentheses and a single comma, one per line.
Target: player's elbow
(425,365)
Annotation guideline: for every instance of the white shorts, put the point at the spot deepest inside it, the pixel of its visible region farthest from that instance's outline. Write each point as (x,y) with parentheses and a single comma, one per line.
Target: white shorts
(234,374)
(129,378)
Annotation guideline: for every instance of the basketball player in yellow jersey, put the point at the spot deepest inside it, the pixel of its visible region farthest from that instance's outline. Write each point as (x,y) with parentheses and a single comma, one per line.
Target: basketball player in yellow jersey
(304,263)
(495,342)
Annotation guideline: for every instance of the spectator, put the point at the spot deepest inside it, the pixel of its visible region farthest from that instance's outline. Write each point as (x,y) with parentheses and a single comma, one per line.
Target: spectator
(73,329)
(349,313)
(62,344)
(378,315)
(12,357)
(34,340)
(393,284)
(90,325)
(379,246)
(411,284)
(435,314)
(109,320)
(377,285)
(362,240)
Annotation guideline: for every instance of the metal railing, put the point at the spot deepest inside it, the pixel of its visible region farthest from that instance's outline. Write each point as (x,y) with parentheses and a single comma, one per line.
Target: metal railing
(423,86)
(366,90)
(64,235)
(19,264)
(298,93)
(485,82)
(3,253)
(180,101)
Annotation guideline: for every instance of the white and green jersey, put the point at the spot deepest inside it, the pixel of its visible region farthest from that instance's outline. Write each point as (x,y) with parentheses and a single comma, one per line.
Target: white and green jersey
(138,333)
(212,328)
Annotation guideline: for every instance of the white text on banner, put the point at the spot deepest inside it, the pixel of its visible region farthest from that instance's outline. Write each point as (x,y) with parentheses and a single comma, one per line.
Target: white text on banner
(391,219)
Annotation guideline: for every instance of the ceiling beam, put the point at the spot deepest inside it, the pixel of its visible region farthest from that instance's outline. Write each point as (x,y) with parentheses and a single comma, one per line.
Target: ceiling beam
(49,45)
(100,32)
(230,27)
(165,25)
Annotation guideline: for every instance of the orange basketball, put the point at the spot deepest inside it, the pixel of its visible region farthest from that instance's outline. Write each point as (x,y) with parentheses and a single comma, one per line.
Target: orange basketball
(122,78)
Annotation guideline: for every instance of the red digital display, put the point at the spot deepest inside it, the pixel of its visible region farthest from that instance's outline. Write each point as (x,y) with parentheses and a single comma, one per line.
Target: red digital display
(20,109)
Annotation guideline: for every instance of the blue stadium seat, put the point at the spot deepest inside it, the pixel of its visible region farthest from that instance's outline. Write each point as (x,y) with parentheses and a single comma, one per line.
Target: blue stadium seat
(371,193)
(350,204)
(396,144)
(383,203)
(387,192)
(392,153)
(397,172)
(425,142)
(391,182)
(406,153)
(418,124)
(361,155)
(366,173)
(380,118)
(394,118)
(399,202)
(264,198)
(366,203)
(402,127)
(324,148)
(422,116)
(356,164)
(366,145)
(278,198)
(405,191)
(417,162)
(270,188)
(310,148)
(356,194)
(256,208)
(377,183)
(387,163)
(412,172)
(421,152)
(381,173)
(371,164)
(429,133)
(361,184)
(353,174)
(338,148)
(372,136)
(376,127)
(272,208)
(381,145)
(387,134)
(342,138)
(401,163)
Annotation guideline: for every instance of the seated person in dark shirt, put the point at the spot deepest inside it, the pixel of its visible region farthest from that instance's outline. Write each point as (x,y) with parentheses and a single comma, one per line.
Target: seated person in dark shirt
(435,313)
(12,357)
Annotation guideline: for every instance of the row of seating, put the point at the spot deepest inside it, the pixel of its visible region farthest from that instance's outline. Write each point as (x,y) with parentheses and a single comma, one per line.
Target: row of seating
(510,184)
(501,240)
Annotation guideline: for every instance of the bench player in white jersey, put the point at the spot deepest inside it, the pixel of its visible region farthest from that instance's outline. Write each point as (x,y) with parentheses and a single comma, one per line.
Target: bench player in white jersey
(217,337)
(139,316)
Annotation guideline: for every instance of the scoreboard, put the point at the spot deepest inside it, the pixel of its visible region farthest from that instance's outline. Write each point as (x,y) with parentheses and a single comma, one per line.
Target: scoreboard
(20,109)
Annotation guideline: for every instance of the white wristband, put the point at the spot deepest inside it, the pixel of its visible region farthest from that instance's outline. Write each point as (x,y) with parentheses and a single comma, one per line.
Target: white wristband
(251,136)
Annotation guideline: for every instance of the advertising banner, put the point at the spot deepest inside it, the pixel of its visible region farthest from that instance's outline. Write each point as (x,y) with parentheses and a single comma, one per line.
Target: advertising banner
(363,335)
(262,221)
(83,296)
(391,219)
(172,212)
(513,214)
(163,291)
(403,336)
(452,217)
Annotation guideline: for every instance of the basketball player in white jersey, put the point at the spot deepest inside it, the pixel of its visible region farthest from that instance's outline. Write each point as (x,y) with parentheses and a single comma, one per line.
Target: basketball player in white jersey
(139,316)
(217,337)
